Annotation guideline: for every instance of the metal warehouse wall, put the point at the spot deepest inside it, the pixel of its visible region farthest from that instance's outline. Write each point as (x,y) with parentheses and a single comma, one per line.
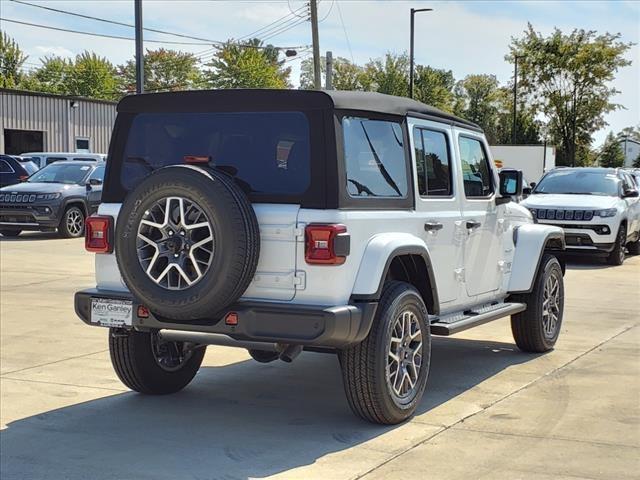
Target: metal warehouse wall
(55,116)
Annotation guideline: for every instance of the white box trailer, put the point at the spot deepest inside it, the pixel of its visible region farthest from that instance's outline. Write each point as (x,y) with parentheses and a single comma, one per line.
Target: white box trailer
(533,160)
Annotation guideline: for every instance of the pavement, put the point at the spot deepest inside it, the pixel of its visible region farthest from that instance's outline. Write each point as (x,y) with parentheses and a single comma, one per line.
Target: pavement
(490,411)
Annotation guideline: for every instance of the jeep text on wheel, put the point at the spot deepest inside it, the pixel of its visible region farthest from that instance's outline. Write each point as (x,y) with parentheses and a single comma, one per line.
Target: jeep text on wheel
(347,222)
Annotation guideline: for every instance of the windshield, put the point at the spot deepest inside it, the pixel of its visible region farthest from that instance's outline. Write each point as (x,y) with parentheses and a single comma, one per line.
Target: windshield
(29,167)
(61,173)
(267,152)
(579,182)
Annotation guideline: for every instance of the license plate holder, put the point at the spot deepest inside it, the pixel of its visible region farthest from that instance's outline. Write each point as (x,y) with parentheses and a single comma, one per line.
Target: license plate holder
(111,312)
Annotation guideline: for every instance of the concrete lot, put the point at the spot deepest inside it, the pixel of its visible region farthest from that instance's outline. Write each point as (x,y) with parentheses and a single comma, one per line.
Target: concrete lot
(490,411)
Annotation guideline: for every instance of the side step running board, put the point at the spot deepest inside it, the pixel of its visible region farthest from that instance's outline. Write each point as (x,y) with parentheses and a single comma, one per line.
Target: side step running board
(458,323)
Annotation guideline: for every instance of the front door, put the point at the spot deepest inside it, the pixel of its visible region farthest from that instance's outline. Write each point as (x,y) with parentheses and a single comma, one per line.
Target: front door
(438,206)
(481,222)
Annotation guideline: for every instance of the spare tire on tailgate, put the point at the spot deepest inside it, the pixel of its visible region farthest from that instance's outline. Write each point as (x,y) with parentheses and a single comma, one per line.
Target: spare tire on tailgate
(187,242)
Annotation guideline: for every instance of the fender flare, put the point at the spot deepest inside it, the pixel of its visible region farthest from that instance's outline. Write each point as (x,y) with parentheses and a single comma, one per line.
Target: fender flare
(75,201)
(531,241)
(376,261)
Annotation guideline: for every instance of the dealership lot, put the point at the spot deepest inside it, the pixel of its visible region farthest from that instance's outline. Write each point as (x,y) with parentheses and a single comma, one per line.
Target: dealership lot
(489,411)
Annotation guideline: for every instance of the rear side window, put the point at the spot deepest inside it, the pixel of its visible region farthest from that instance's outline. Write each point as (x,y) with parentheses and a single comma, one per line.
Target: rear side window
(51,160)
(476,172)
(5,167)
(433,165)
(267,152)
(374,158)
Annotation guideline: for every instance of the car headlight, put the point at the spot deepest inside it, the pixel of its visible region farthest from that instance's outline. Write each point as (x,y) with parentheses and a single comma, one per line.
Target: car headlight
(608,212)
(48,196)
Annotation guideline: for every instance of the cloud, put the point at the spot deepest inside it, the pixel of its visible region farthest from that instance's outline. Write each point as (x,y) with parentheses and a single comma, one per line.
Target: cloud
(53,51)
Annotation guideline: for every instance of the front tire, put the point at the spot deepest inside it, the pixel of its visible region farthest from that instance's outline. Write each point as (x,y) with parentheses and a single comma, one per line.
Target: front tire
(537,329)
(616,257)
(386,374)
(72,223)
(634,247)
(147,365)
(10,233)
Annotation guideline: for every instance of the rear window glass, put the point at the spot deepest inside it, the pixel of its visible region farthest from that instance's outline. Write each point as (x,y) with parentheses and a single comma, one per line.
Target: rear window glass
(375,158)
(267,152)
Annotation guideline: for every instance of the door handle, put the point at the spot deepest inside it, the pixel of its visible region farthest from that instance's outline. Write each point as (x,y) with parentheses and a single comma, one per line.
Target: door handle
(473,224)
(433,226)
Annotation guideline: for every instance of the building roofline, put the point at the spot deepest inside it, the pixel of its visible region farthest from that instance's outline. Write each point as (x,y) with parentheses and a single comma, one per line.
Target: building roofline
(29,93)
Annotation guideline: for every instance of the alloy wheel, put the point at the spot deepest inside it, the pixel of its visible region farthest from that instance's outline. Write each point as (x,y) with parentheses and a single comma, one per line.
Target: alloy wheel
(75,222)
(170,356)
(551,303)
(175,243)
(404,359)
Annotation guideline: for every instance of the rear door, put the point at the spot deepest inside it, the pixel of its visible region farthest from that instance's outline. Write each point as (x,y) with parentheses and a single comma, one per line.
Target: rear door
(483,245)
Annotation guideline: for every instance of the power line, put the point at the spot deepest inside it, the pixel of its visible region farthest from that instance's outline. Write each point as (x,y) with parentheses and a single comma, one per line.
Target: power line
(122,24)
(346,36)
(262,31)
(328,12)
(275,34)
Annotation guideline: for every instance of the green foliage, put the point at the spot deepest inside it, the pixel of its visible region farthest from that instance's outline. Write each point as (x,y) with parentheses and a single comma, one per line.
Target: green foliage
(11,60)
(636,162)
(164,70)
(527,127)
(611,154)
(478,100)
(630,132)
(567,77)
(434,87)
(346,75)
(237,66)
(389,75)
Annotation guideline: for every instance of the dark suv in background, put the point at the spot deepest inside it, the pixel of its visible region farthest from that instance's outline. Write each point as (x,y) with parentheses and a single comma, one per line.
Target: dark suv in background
(13,170)
(60,196)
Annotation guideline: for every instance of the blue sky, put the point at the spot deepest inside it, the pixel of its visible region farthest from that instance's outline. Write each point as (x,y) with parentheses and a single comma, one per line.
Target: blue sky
(466,37)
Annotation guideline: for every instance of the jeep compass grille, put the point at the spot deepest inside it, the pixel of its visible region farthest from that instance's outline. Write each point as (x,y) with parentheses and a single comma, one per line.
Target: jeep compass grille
(561,214)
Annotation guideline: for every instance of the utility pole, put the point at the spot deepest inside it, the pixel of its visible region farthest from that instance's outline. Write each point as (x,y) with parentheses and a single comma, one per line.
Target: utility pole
(411,53)
(317,82)
(515,98)
(329,72)
(139,47)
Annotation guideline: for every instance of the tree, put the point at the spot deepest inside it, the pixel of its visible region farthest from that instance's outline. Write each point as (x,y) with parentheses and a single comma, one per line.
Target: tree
(527,127)
(346,75)
(434,87)
(389,75)
(567,78)
(52,76)
(12,59)
(611,155)
(164,70)
(636,162)
(242,66)
(478,100)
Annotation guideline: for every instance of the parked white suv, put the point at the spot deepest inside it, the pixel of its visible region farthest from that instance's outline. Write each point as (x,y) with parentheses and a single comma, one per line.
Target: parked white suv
(598,209)
(346,222)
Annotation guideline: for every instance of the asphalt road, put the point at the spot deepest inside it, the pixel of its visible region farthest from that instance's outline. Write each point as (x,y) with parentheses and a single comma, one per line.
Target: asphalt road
(490,411)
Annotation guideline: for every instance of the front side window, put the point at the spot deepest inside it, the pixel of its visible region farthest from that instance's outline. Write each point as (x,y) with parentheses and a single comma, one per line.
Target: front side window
(433,165)
(476,172)
(5,167)
(97,174)
(374,158)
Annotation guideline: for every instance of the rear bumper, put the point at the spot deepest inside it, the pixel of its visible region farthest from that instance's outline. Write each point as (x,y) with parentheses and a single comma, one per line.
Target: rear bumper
(336,327)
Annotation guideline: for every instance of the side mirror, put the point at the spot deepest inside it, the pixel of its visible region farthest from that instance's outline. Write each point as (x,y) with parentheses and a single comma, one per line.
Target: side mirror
(630,194)
(510,182)
(95,181)
(526,191)
(533,185)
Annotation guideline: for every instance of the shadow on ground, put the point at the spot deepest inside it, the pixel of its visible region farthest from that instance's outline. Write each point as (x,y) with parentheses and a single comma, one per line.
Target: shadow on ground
(233,422)
(30,236)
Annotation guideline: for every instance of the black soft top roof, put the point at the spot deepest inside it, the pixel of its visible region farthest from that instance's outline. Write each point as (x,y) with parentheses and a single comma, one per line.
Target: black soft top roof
(252,99)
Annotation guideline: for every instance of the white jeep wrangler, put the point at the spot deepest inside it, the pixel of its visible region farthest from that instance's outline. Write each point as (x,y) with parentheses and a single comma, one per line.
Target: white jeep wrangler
(277,221)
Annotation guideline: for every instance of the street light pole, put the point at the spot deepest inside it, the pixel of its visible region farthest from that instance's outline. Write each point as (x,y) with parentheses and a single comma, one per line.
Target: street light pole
(139,47)
(411,49)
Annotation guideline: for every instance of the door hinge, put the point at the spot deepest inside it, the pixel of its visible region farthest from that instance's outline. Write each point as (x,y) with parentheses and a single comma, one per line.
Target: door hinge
(300,280)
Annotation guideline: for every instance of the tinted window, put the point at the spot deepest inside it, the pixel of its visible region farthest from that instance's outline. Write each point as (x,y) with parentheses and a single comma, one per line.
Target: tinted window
(61,173)
(432,163)
(374,157)
(268,152)
(476,172)
(5,167)
(82,144)
(577,182)
(98,173)
(29,167)
(51,160)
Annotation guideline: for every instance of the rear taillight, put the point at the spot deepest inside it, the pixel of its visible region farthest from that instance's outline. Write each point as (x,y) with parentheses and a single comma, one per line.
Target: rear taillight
(326,244)
(98,234)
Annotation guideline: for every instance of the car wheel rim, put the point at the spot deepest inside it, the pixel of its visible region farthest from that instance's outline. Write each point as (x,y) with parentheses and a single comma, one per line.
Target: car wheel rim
(170,356)
(621,239)
(75,222)
(175,243)
(405,354)
(551,304)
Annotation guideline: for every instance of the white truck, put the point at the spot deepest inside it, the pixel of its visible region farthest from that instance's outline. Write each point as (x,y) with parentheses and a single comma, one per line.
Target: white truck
(533,160)
(346,222)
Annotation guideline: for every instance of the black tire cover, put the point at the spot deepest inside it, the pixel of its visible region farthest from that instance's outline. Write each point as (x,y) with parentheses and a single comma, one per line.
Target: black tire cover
(236,242)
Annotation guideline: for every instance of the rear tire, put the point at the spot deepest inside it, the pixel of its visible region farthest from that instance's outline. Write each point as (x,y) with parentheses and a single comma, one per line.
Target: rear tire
(10,233)
(634,247)
(397,347)
(263,356)
(616,257)
(72,223)
(147,365)
(537,329)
